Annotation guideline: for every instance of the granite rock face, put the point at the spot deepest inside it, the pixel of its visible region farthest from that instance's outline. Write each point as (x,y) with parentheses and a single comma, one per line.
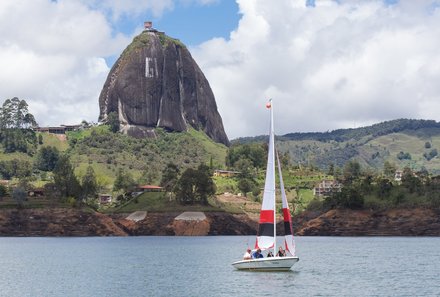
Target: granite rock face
(156,83)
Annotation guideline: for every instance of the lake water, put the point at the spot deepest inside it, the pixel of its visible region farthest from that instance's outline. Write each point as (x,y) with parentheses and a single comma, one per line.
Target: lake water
(200,266)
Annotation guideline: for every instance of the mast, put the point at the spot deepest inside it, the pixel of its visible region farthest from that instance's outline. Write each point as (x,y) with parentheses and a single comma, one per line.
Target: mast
(272,145)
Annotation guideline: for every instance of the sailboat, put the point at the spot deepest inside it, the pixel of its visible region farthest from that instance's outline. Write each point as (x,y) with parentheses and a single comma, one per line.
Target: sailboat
(266,236)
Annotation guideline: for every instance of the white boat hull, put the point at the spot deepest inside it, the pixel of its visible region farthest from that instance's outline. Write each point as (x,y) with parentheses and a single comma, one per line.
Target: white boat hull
(266,264)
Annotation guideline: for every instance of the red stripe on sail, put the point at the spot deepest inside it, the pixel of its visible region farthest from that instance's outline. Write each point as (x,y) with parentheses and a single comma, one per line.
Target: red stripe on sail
(286,215)
(266,216)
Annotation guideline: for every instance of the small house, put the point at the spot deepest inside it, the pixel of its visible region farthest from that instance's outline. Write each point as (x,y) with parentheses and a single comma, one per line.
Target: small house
(104,198)
(148,188)
(37,192)
(326,188)
(398,175)
(225,173)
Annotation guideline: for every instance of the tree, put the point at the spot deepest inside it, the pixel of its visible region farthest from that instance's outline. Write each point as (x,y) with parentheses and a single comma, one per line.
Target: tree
(89,185)
(389,169)
(245,166)
(204,185)
(124,181)
(47,158)
(15,168)
(253,152)
(285,159)
(3,191)
(409,181)
(19,140)
(352,172)
(14,123)
(148,176)
(65,179)
(113,121)
(170,177)
(331,169)
(432,154)
(195,185)
(384,187)
(185,188)
(403,156)
(349,197)
(354,199)
(246,185)
(14,114)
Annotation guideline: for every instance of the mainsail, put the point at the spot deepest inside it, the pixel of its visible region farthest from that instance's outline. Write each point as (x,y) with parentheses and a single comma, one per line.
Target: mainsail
(266,237)
(266,229)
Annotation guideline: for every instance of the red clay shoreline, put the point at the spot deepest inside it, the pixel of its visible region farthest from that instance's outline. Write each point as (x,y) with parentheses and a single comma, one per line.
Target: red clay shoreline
(337,222)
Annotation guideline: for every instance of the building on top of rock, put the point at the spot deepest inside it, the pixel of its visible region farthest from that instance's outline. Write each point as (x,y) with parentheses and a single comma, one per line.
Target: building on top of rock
(148,27)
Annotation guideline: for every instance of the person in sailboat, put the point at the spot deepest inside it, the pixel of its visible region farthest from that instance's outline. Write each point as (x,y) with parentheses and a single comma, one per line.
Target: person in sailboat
(257,254)
(269,254)
(281,252)
(247,255)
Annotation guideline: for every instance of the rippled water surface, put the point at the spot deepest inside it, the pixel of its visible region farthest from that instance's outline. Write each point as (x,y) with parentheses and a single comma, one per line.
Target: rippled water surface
(200,266)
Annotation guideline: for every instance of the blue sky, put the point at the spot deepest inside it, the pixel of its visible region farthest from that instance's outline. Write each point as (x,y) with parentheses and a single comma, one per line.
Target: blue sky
(192,23)
(326,64)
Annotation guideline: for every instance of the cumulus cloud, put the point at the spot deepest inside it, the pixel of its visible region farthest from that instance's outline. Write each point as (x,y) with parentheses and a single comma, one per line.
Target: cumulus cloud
(52,52)
(333,65)
(51,55)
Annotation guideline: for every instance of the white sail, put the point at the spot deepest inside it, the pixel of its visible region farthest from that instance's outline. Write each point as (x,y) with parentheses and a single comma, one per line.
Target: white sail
(266,230)
(289,242)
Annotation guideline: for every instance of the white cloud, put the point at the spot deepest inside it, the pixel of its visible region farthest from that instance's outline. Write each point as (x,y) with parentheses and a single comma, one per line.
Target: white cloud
(52,52)
(51,55)
(330,66)
(335,65)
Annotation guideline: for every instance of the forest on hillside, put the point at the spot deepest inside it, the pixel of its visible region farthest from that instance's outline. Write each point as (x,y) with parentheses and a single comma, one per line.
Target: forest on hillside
(405,142)
(341,135)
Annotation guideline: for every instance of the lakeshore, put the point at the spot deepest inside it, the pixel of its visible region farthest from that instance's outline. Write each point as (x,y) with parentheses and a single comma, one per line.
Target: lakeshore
(336,222)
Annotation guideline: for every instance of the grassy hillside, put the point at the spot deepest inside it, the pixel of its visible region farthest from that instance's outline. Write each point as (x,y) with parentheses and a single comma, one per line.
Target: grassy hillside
(370,152)
(145,159)
(371,146)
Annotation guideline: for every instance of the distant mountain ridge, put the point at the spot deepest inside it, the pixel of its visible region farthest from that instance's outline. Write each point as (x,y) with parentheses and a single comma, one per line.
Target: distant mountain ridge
(403,142)
(340,135)
(374,130)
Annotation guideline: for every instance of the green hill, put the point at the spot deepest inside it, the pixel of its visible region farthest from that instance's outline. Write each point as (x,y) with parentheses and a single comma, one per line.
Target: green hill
(404,142)
(144,159)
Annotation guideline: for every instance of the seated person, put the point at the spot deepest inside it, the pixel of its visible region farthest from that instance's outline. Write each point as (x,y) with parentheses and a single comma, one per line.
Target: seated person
(281,252)
(257,254)
(269,254)
(247,255)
